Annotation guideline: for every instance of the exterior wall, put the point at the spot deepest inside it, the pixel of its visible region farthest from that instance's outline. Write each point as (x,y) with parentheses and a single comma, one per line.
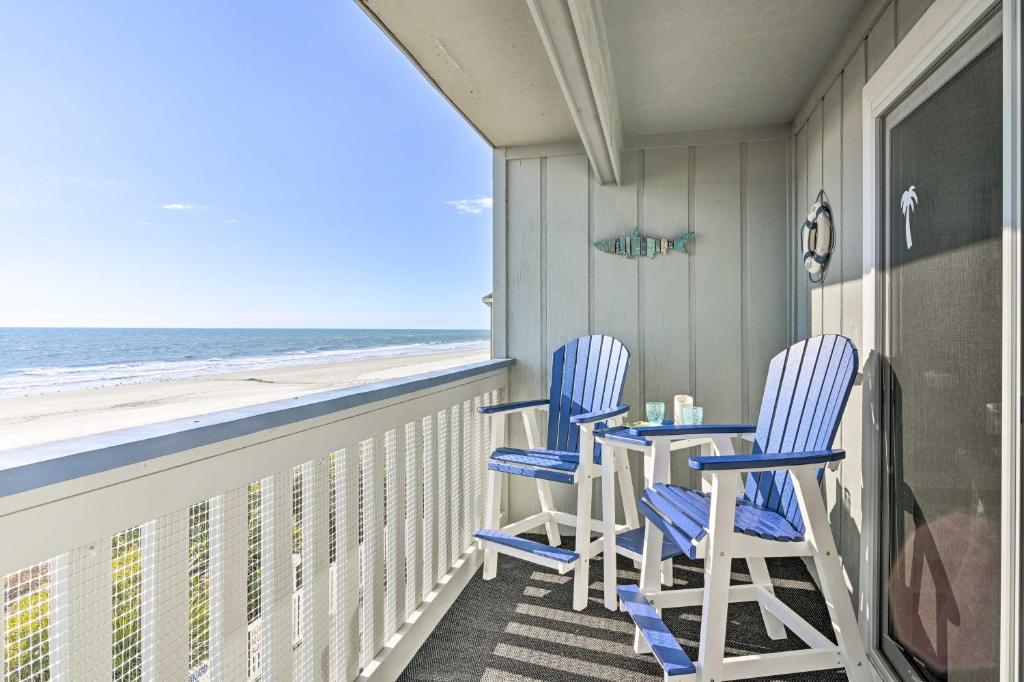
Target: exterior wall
(705,324)
(829,156)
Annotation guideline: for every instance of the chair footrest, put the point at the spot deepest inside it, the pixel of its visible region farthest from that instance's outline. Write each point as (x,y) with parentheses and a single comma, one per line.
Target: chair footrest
(670,655)
(631,543)
(529,550)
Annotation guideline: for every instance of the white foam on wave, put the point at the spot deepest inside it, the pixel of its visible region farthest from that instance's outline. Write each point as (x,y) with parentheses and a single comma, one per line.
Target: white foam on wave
(38,380)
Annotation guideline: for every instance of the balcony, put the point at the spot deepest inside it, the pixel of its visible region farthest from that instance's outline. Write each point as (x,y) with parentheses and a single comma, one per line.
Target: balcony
(324,538)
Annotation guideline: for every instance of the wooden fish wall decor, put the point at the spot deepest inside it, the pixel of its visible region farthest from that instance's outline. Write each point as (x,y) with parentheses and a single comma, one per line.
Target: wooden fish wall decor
(634,244)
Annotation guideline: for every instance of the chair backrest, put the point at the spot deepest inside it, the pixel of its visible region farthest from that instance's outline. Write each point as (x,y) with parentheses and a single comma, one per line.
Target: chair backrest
(587,375)
(804,398)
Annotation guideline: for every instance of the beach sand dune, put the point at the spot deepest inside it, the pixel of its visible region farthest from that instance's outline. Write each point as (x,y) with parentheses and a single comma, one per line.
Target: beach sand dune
(56,416)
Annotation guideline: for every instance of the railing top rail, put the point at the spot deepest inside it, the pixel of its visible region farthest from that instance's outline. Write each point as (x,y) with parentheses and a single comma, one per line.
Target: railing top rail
(35,466)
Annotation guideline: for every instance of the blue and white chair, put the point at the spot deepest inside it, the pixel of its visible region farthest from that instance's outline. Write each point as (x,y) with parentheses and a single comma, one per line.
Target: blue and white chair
(587,378)
(781,513)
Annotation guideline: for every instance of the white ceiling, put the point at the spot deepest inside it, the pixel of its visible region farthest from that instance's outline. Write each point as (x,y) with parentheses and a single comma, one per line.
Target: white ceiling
(487,58)
(678,65)
(700,65)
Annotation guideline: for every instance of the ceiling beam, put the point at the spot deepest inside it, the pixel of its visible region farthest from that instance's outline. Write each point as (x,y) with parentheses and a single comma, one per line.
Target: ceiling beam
(573,35)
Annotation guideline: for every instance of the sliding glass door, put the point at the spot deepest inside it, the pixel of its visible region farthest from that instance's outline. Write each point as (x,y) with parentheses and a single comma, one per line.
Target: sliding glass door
(942,375)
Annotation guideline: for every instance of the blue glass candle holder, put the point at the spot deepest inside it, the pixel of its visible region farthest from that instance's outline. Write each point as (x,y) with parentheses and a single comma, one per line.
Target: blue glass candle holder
(655,413)
(693,416)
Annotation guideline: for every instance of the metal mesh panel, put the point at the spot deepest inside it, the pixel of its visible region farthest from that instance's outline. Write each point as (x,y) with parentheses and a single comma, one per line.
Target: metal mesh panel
(455,469)
(344,648)
(127,548)
(443,495)
(430,560)
(468,497)
(26,632)
(298,473)
(413,517)
(372,547)
(253,579)
(199,586)
(392,492)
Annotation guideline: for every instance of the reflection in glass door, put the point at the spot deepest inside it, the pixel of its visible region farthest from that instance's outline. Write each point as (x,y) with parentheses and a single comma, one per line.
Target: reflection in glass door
(942,379)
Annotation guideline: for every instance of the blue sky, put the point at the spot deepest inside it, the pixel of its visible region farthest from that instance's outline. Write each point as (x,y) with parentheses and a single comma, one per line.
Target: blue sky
(223,164)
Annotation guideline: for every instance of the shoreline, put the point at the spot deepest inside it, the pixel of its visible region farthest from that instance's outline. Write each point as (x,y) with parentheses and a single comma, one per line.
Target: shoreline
(47,417)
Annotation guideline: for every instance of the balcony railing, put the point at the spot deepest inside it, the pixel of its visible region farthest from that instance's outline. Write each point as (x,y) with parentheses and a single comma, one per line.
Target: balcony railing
(317,538)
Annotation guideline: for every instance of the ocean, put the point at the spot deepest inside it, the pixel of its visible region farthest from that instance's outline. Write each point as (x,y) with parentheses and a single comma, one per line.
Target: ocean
(43,360)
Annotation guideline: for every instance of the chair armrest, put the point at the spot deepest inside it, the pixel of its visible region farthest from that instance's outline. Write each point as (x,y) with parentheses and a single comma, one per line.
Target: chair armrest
(507,408)
(761,462)
(680,430)
(591,417)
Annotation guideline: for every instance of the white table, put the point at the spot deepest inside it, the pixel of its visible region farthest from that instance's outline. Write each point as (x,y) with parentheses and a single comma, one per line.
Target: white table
(615,443)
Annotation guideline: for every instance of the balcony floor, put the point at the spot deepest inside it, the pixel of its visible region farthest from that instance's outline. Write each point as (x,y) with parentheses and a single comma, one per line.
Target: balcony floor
(521,627)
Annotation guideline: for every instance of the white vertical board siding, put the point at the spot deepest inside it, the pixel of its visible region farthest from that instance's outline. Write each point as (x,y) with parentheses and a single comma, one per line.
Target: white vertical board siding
(802,293)
(767,242)
(566,287)
(526,377)
(852,244)
(719,306)
(615,303)
(693,323)
(882,39)
(836,159)
(814,180)
(665,314)
(665,281)
(830,291)
(907,14)
(832,183)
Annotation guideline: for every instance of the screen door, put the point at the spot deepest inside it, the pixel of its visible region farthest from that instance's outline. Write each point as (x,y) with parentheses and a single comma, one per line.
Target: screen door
(941,360)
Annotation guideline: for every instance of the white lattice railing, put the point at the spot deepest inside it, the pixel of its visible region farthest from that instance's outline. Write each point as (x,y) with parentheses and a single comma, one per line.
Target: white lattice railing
(307,540)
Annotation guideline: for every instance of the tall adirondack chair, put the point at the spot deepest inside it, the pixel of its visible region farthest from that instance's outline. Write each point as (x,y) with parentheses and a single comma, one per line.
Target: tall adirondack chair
(587,378)
(781,513)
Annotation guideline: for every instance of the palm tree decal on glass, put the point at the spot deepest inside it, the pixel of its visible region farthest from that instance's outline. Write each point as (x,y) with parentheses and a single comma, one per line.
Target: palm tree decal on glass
(907,203)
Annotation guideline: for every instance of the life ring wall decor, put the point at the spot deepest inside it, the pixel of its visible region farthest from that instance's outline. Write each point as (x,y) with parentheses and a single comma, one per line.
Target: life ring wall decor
(817,239)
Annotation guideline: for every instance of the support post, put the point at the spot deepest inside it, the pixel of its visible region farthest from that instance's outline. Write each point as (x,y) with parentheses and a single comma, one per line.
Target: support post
(830,572)
(717,571)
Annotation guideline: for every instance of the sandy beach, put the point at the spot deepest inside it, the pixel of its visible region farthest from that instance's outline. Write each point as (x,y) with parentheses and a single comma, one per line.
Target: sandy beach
(56,416)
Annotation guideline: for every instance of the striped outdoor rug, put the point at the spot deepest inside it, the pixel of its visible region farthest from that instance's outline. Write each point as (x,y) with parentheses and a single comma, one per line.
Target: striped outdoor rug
(520,627)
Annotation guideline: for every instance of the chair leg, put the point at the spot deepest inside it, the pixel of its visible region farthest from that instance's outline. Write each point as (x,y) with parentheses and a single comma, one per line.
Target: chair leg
(547,506)
(581,575)
(609,463)
(717,571)
(830,572)
(649,575)
(492,521)
(759,576)
(628,492)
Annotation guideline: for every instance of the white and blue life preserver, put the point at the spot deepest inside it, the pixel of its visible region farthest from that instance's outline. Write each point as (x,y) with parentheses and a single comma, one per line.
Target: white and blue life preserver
(817,239)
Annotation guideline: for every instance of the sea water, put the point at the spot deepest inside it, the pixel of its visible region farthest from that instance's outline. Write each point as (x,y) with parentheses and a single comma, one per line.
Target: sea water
(43,360)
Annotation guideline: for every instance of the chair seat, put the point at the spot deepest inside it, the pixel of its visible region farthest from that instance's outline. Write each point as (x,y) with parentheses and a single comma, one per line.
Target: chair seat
(683,515)
(552,465)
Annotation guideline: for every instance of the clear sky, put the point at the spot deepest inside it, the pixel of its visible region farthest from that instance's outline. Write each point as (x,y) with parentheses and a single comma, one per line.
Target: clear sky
(222,164)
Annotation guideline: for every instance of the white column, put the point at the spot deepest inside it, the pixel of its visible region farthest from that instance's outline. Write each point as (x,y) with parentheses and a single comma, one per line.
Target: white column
(394,551)
(413,520)
(278,583)
(81,637)
(455,472)
(229,531)
(165,613)
(315,590)
(347,572)
(717,571)
(373,549)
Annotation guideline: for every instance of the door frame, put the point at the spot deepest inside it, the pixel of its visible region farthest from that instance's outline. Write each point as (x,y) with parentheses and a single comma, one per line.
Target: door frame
(938,31)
